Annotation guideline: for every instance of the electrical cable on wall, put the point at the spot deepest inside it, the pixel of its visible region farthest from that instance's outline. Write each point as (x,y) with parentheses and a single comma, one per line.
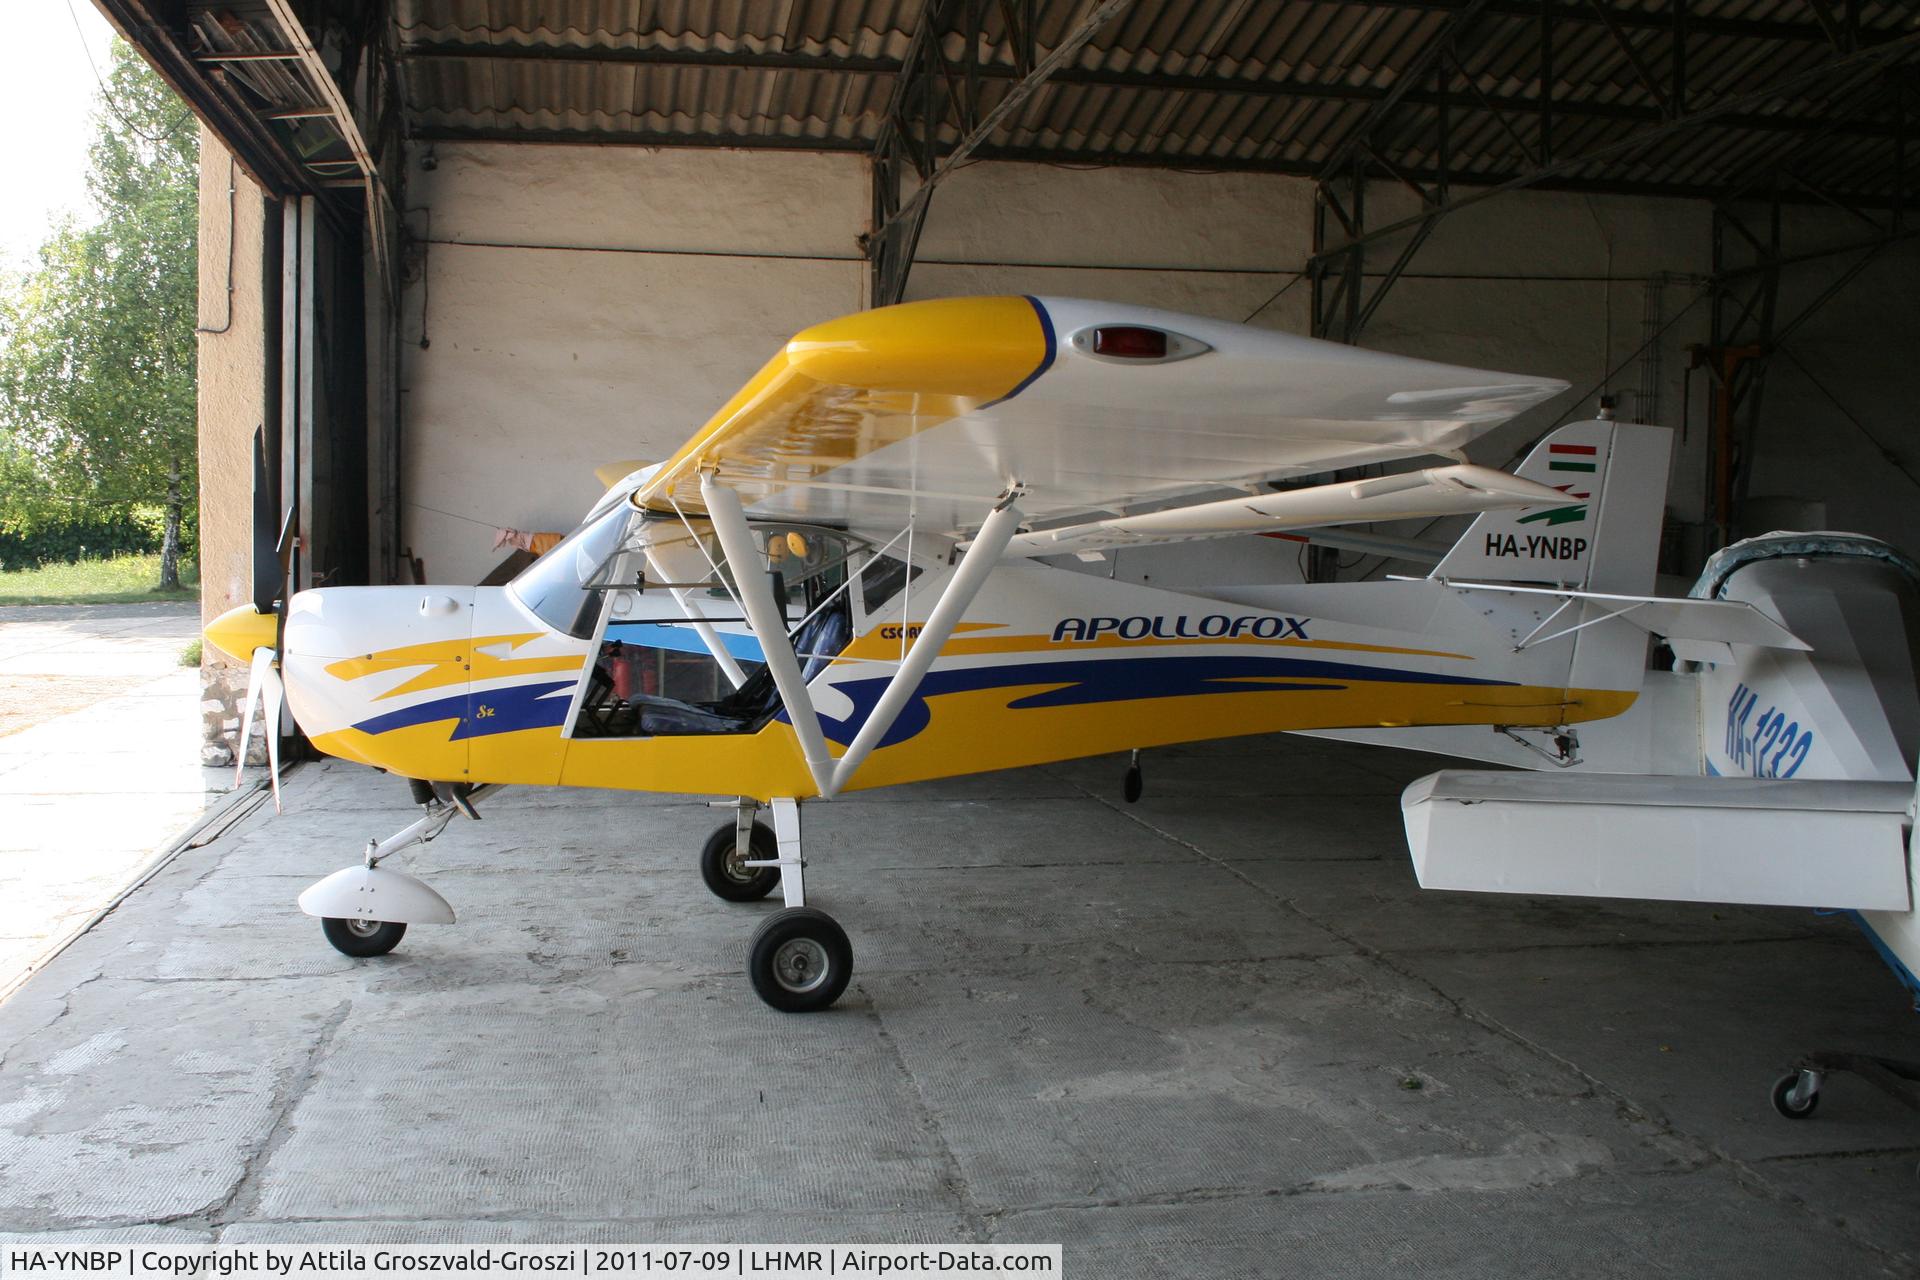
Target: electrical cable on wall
(232,226)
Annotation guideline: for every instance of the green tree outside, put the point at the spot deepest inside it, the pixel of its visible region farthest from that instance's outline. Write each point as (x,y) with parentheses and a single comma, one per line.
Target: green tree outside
(97,356)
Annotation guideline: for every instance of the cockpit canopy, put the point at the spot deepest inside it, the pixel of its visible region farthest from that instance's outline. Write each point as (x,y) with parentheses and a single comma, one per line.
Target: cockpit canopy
(565,587)
(683,662)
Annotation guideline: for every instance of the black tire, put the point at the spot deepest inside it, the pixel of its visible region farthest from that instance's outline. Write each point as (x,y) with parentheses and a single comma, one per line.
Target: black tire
(363,938)
(722,872)
(1783,1101)
(799,960)
(1134,784)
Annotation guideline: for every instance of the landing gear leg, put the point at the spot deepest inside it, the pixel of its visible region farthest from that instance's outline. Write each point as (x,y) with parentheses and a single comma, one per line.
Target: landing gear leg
(799,959)
(365,910)
(1134,783)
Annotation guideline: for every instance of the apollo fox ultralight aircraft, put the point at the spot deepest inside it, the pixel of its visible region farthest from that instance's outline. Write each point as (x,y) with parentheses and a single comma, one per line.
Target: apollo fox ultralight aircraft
(836,584)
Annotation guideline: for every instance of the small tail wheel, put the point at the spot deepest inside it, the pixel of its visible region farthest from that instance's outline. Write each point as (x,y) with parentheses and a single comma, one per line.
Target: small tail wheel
(727,873)
(1796,1094)
(1133,785)
(363,938)
(799,960)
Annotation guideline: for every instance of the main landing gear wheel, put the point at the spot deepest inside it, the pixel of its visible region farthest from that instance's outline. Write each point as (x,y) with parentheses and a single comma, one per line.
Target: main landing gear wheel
(1796,1094)
(799,960)
(363,938)
(726,872)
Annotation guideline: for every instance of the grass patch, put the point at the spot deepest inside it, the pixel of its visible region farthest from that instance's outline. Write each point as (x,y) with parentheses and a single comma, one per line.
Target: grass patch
(190,656)
(118,580)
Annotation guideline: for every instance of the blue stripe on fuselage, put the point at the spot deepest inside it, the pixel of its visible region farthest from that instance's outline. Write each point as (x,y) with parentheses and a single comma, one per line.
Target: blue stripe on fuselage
(682,638)
(488,711)
(1086,681)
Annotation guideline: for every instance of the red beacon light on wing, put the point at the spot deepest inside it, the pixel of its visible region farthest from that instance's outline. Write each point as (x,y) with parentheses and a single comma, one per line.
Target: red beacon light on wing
(1130,342)
(1135,344)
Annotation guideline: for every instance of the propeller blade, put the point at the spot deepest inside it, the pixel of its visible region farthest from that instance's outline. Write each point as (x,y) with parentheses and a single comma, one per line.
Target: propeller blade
(283,555)
(268,691)
(261,667)
(276,698)
(283,549)
(266,578)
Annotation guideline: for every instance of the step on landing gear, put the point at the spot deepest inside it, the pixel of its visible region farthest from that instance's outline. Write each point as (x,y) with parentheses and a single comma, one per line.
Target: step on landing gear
(364,911)
(799,960)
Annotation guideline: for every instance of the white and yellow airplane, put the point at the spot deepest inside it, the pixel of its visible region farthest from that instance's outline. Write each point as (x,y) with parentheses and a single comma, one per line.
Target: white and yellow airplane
(836,584)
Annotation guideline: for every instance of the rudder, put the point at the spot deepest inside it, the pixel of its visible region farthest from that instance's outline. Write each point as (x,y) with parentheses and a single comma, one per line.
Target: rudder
(1607,536)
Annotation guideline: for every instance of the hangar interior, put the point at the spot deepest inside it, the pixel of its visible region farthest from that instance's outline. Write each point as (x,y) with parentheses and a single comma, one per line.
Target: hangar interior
(608,215)
(456,255)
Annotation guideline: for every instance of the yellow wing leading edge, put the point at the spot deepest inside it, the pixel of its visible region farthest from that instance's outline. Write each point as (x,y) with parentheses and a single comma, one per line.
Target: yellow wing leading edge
(848,387)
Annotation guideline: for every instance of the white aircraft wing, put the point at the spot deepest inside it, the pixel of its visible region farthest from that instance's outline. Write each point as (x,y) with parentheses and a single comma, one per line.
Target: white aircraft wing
(1460,489)
(938,407)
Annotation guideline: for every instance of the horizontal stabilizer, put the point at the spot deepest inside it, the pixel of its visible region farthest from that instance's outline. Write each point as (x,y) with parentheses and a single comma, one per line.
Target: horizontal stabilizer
(1765,841)
(1699,630)
(1459,489)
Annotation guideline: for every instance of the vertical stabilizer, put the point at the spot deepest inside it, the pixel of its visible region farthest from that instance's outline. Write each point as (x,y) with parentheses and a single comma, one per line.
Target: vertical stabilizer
(1607,535)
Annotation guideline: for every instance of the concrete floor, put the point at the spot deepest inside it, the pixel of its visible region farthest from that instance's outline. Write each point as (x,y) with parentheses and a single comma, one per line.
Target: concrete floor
(100,731)
(1217,1033)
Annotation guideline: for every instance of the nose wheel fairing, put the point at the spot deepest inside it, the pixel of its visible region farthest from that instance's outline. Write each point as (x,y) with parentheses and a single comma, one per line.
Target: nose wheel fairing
(378,895)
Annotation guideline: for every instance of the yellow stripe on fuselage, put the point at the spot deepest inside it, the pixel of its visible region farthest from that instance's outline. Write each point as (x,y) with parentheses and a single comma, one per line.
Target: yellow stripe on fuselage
(448,663)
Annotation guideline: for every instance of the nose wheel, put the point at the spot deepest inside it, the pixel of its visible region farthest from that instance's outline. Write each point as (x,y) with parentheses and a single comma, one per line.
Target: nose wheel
(799,960)
(362,938)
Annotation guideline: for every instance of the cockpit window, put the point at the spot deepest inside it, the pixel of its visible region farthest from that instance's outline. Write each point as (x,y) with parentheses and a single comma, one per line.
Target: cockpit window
(557,585)
(654,674)
(883,578)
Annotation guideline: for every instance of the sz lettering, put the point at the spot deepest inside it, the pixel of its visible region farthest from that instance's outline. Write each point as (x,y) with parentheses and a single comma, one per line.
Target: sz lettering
(482,711)
(1536,546)
(1768,745)
(1214,626)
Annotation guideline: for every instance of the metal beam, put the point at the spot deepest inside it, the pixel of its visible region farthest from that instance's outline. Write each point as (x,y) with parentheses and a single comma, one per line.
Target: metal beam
(381,211)
(1632,55)
(1677,88)
(211,96)
(1830,25)
(1642,138)
(1142,81)
(1503,178)
(1575,11)
(1405,78)
(1014,99)
(908,134)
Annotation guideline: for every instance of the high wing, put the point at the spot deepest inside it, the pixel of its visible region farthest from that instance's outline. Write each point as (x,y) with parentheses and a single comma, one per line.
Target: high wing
(1460,489)
(935,408)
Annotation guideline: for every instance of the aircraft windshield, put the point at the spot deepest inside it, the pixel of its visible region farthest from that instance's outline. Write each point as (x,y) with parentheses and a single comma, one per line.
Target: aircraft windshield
(556,586)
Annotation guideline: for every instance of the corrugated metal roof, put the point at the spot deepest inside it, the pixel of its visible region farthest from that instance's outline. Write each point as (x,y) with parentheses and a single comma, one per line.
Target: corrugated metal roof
(1274,84)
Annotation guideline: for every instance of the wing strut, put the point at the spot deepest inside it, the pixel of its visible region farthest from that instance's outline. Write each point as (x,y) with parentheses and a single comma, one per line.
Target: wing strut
(769,624)
(988,545)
